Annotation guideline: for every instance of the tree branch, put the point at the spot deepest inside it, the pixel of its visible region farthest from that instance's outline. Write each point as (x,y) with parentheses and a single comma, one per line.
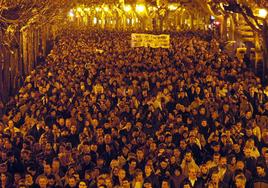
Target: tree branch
(258,30)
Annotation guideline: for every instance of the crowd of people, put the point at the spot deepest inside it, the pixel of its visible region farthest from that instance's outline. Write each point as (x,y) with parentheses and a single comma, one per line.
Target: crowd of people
(101,114)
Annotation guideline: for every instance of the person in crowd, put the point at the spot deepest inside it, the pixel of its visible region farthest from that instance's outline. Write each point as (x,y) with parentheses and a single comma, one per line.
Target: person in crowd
(98,113)
(192,179)
(240,181)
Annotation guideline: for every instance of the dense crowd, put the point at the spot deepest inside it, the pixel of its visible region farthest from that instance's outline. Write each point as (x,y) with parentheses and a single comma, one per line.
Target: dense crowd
(99,113)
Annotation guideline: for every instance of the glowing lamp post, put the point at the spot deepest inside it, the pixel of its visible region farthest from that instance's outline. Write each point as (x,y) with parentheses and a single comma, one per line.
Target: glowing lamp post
(262,13)
(140,8)
(127,8)
(172,7)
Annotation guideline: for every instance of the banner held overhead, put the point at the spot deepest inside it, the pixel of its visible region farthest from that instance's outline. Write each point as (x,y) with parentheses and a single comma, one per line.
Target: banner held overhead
(149,40)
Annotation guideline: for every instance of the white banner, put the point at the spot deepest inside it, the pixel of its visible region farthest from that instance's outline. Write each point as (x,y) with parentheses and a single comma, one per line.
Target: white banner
(148,40)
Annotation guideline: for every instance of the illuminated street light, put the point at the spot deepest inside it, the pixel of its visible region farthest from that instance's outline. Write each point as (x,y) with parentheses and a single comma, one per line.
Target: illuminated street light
(217,23)
(87,9)
(152,8)
(79,9)
(95,20)
(140,8)
(71,13)
(106,8)
(262,13)
(97,9)
(172,7)
(127,8)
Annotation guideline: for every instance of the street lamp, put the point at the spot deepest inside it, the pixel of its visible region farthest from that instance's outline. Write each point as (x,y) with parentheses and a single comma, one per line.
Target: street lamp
(262,13)
(106,8)
(172,7)
(127,8)
(140,8)
(95,20)
(79,9)
(71,13)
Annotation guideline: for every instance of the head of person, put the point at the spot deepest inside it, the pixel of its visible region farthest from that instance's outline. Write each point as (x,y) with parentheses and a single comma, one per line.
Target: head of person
(126,183)
(148,170)
(240,181)
(216,158)
(164,163)
(204,169)
(261,169)
(122,174)
(72,181)
(109,182)
(29,179)
(5,179)
(51,180)
(223,161)
(42,181)
(10,124)
(188,156)
(215,178)
(140,154)
(240,165)
(82,184)
(192,173)
(165,183)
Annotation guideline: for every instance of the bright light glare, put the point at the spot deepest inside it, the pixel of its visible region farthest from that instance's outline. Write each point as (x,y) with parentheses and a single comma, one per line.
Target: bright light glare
(128,21)
(212,17)
(106,8)
(79,9)
(140,8)
(127,8)
(97,9)
(152,8)
(71,14)
(172,7)
(262,13)
(95,20)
